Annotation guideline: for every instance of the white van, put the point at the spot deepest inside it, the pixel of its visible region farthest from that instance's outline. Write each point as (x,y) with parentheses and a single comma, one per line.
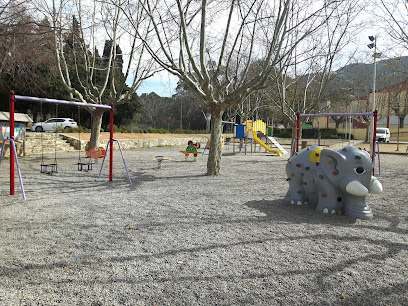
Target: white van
(383,134)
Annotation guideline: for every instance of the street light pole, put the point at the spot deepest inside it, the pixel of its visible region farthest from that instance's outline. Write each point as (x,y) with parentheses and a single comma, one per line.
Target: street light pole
(375,55)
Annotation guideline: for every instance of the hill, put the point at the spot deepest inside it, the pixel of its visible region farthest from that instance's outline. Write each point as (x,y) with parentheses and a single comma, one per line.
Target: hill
(358,78)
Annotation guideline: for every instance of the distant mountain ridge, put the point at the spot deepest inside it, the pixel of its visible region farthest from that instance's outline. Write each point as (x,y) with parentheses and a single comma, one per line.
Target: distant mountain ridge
(359,77)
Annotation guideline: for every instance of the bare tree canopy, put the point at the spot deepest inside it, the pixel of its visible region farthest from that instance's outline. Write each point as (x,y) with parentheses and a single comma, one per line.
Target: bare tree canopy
(393,15)
(213,46)
(88,36)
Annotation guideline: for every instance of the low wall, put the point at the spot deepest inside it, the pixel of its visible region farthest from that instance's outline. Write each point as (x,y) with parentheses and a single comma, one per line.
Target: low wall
(36,144)
(138,143)
(19,148)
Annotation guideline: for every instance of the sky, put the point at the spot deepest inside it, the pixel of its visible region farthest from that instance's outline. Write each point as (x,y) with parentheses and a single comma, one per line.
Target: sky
(162,83)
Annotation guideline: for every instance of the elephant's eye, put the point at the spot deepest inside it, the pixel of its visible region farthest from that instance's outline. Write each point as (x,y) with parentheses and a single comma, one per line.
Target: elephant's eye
(360,170)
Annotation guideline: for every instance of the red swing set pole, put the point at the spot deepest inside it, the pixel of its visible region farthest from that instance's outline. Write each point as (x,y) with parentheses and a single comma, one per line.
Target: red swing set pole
(375,114)
(11,111)
(297,130)
(111,143)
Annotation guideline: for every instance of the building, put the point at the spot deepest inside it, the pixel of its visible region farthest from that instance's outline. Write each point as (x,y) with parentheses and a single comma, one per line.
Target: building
(387,101)
(21,124)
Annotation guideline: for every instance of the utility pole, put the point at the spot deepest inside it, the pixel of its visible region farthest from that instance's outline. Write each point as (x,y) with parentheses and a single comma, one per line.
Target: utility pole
(376,55)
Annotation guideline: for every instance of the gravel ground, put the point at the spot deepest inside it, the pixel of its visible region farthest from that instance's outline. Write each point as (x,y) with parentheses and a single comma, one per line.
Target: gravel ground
(178,237)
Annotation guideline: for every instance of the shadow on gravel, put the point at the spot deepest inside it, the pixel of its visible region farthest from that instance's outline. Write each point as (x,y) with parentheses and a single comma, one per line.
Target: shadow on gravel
(139,178)
(254,154)
(229,154)
(392,295)
(274,161)
(279,211)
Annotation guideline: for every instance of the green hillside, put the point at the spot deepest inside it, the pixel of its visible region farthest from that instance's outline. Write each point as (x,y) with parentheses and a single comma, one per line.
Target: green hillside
(358,78)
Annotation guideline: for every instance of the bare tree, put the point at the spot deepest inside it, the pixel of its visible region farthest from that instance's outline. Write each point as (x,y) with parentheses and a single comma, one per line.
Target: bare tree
(397,99)
(26,58)
(87,77)
(393,15)
(302,83)
(152,108)
(11,13)
(211,46)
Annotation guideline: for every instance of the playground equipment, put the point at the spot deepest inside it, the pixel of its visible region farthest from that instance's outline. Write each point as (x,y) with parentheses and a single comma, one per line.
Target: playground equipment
(295,142)
(191,149)
(92,153)
(207,146)
(96,153)
(299,115)
(249,131)
(278,152)
(49,168)
(13,155)
(335,182)
(159,160)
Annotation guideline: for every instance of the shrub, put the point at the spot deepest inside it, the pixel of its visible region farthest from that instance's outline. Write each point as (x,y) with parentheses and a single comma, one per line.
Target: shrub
(79,129)
(283,133)
(159,131)
(182,131)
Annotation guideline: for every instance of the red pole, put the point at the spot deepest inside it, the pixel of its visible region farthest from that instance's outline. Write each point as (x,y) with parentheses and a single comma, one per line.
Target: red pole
(388,113)
(374,134)
(11,109)
(297,131)
(111,144)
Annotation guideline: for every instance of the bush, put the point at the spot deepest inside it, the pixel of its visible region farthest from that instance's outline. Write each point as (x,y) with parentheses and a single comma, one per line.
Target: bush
(283,133)
(79,129)
(125,129)
(116,129)
(324,133)
(182,131)
(345,136)
(158,131)
(314,133)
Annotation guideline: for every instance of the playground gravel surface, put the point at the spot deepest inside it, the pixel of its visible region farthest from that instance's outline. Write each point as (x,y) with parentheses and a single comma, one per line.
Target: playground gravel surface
(177,237)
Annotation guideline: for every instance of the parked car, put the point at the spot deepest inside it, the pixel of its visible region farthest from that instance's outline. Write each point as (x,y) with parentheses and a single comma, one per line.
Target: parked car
(383,134)
(52,124)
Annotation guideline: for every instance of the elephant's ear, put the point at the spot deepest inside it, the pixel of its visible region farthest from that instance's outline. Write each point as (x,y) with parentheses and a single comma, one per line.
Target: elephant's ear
(332,162)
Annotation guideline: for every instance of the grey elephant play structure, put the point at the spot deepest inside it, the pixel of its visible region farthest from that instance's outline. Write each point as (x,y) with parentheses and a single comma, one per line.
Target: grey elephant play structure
(336,182)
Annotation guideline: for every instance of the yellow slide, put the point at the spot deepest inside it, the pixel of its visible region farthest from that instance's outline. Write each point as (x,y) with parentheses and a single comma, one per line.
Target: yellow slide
(265,146)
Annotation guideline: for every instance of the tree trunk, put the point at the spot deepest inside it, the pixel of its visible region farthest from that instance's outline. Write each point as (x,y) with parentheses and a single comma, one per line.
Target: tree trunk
(337,124)
(293,126)
(367,133)
(95,128)
(208,122)
(214,157)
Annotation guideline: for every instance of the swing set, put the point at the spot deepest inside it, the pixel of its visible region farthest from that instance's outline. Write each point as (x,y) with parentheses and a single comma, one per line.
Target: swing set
(295,142)
(44,167)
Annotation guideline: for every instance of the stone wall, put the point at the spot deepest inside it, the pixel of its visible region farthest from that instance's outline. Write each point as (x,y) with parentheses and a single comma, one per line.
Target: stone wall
(38,143)
(138,143)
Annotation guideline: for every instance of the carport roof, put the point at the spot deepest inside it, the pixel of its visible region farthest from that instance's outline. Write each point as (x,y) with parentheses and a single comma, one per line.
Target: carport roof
(18,117)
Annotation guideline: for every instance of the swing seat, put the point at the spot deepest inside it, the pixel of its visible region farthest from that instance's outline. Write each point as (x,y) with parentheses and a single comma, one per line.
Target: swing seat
(49,168)
(84,166)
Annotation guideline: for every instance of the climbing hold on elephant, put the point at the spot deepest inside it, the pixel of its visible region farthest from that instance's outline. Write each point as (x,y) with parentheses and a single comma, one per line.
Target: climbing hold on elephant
(336,182)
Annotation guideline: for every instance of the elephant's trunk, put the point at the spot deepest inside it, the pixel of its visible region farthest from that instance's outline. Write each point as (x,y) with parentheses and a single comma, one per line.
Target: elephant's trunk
(356,207)
(354,202)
